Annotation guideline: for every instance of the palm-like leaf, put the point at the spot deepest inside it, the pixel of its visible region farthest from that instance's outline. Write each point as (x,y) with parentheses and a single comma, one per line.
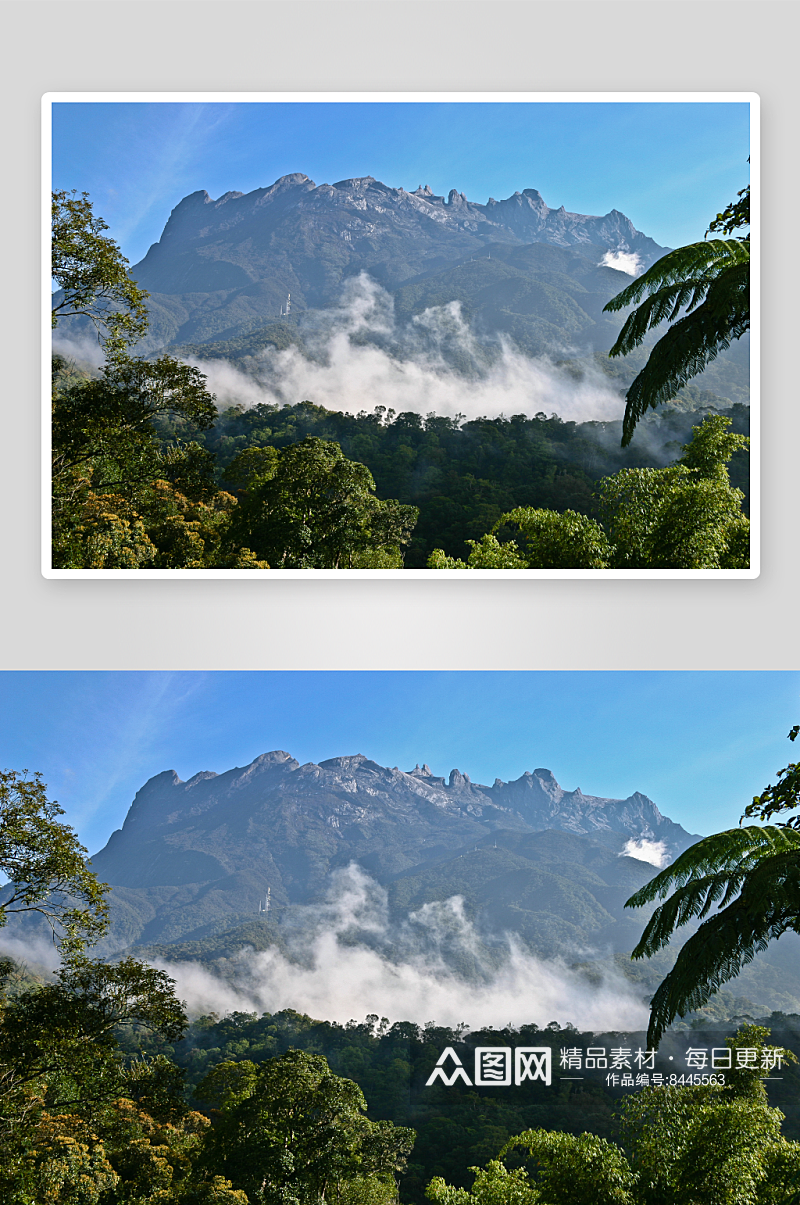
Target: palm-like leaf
(753,876)
(710,282)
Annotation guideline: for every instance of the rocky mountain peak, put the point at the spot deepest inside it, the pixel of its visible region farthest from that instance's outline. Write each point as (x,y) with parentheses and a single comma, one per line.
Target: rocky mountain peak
(458,780)
(210,244)
(197,856)
(357,183)
(396,815)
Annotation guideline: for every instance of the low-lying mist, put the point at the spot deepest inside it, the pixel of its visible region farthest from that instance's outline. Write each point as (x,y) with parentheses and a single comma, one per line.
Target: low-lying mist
(346,958)
(359,355)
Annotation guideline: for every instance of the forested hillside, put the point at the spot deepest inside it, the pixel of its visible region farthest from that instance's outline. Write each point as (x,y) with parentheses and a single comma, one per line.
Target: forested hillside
(462,476)
(460,1125)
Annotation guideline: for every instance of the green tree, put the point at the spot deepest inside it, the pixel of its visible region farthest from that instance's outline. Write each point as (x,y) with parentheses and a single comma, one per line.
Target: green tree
(107,425)
(710,283)
(705,1145)
(571,1169)
(59,1042)
(493,1185)
(92,273)
(749,876)
(711,1145)
(125,494)
(121,497)
(545,539)
(307,506)
(735,216)
(464,476)
(81,1124)
(685,516)
(45,865)
(291,1131)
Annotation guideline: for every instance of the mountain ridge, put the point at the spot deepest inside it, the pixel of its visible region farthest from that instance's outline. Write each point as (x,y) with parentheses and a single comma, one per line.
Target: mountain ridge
(276,855)
(369,210)
(224,267)
(247,277)
(534,800)
(194,857)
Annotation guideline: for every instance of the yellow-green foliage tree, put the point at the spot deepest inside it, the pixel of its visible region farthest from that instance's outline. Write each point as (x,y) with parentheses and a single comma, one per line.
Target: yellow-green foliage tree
(79,1126)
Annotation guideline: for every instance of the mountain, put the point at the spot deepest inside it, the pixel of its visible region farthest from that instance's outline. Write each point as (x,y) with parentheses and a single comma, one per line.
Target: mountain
(223,268)
(412,869)
(194,859)
(292,824)
(426,278)
(307,238)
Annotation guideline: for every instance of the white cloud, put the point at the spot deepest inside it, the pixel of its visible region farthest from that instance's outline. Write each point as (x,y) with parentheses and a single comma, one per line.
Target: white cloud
(410,368)
(623,261)
(347,960)
(35,952)
(84,351)
(654,852)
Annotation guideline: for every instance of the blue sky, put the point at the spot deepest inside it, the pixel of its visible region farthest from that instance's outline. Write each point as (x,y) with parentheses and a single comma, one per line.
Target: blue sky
(699,744)
(670,167)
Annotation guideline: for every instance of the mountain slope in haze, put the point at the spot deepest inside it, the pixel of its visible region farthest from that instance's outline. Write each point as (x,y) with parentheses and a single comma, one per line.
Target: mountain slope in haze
(195,858)
(541,298)
(223,268)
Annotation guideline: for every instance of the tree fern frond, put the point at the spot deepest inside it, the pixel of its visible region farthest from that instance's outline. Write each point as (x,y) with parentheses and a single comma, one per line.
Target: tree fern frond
(754,874)
(665,304)
(690,262)
(713,855)
(690,902)
(684,351)
(714,954)
(709,283)
(773,883)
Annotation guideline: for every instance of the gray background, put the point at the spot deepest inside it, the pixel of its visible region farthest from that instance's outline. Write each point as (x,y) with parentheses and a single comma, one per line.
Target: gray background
(384,45)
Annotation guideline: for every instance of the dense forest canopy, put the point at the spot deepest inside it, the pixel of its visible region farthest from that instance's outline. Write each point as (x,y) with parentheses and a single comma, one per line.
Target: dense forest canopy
(464,475)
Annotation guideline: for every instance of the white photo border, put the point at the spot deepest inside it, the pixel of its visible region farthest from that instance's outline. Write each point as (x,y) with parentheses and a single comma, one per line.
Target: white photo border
(750,98)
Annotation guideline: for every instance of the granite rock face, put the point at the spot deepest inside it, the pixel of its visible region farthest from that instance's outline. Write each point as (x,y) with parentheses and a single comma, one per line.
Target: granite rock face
(224,267)
(210,244)
(290,824)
